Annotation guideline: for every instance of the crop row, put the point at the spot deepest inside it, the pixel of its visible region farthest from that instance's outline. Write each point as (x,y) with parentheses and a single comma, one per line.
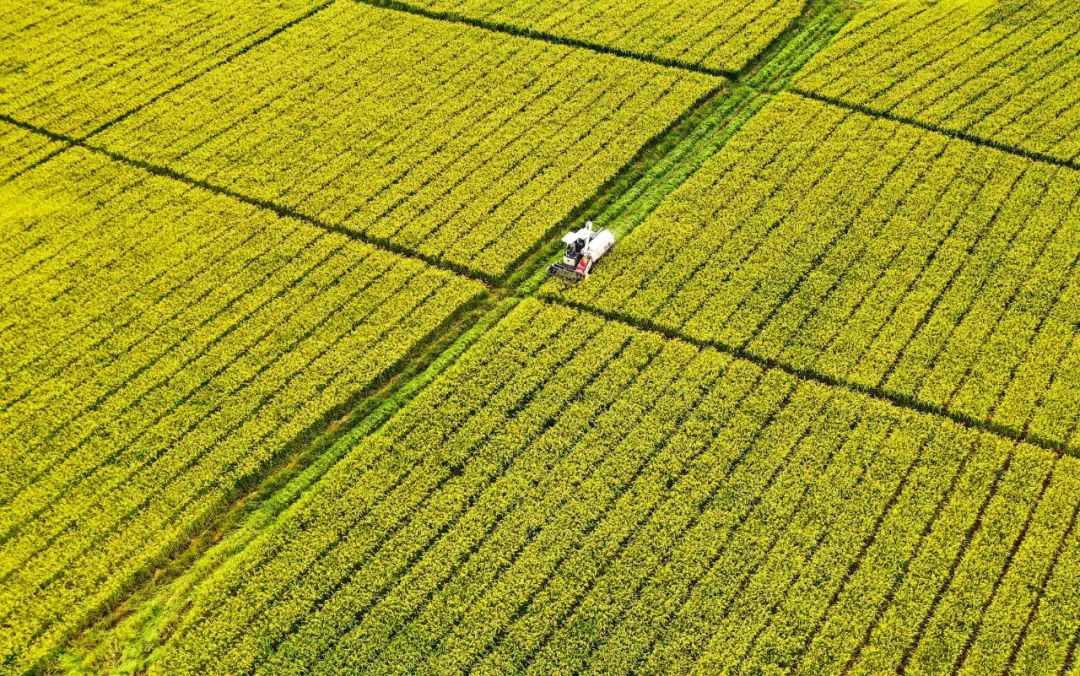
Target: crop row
(877,254)
(148,371)
(721,36)
(72,67)
(577,494)
(19,149)
(1004,71)
(456,142)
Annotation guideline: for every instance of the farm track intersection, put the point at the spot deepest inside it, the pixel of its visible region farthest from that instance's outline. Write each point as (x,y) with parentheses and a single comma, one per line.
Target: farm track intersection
(984,585)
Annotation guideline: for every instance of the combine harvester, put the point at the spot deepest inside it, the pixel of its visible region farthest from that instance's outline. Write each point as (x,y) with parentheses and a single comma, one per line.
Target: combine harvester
(583,249)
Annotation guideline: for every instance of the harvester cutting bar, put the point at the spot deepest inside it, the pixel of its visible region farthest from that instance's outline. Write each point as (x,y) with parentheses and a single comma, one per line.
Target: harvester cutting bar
(565,272)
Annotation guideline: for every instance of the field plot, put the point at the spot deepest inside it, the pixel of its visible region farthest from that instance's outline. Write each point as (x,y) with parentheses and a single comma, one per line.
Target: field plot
(877,254)
(71,67)
(578,494)
(19,149)
(1007,71)
(452,141)
(159,346)
(722,36)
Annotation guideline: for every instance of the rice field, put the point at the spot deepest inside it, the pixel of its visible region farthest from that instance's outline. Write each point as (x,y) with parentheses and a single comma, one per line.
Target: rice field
(877,254)
(723,37)
(285,386)
(149,372)
(1003,72)
(460,144)
(72,68)
(20,149)
(609,500)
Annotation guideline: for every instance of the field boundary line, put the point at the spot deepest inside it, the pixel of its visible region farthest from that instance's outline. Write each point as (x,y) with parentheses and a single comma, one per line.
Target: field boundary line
(925,126)
(386,494)
(282,211)
(769,363)
(674,155)
(811,10)
(264,500)
(551,38)
(388,536)
(75,140)
(214,66)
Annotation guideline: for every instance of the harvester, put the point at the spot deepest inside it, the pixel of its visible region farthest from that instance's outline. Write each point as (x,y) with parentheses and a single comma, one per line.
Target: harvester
(583,248)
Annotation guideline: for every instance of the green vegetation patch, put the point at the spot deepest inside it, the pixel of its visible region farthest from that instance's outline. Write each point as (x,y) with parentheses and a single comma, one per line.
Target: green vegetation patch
(1003,70)
(873,253)
(72,67)
(455,142)
(577,494)
(160,346)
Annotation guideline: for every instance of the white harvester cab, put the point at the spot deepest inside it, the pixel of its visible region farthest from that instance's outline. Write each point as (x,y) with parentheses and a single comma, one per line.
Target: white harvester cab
(583,249)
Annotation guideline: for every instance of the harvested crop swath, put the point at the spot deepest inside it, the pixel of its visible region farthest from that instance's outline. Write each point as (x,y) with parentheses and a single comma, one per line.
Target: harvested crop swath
(577,494)
(20,149)
(877,254)
(455,142)
(159,346)
(723,36)
(1003,70)
(73,66)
